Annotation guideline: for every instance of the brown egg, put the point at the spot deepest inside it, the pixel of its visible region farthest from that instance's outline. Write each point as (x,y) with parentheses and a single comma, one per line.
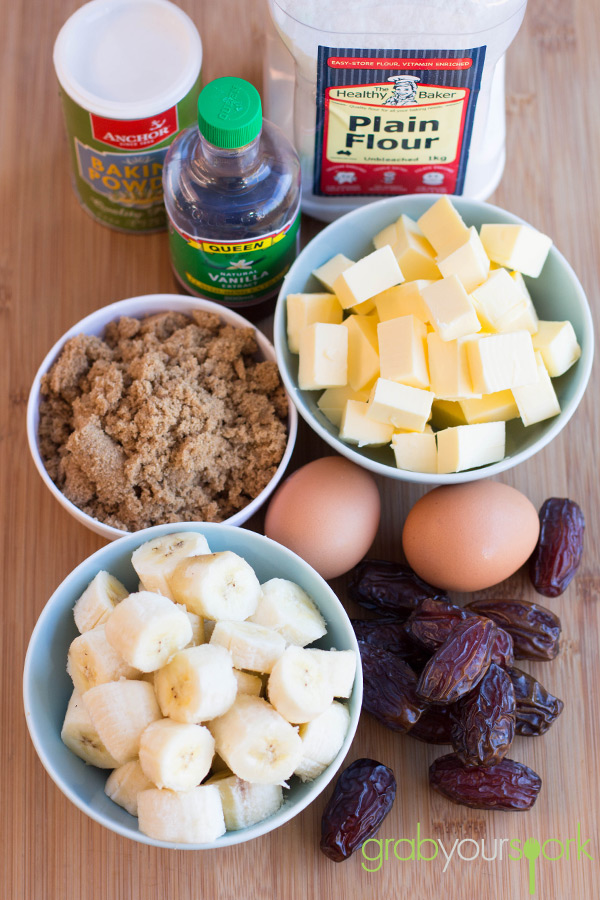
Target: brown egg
(467,537)
(328,513)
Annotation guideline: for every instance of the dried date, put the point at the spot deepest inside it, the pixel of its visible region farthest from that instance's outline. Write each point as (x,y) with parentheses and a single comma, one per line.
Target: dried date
(391,635)
(534,629)
(389,688)
(362,798)
(434,726)
(389,587)
(508,785)
(557,555)
(537,708)
(484,721)
(460,663)
(503,650)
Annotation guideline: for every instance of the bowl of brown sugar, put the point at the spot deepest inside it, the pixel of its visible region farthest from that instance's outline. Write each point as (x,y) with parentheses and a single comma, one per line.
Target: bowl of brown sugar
(157,409)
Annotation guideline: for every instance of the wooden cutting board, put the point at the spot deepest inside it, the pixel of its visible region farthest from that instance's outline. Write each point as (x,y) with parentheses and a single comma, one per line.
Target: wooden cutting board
(56,265)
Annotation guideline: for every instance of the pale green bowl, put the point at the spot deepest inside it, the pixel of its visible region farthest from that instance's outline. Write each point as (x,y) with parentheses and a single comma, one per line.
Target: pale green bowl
(47,687)
(556,294)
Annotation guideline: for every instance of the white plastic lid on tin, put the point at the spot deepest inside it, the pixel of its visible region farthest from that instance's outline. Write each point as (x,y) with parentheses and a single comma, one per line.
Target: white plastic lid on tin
(128,59)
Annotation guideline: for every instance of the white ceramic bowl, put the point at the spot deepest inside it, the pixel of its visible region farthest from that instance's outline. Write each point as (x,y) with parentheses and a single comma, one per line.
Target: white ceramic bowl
(557,295)
(47,687)
(137,307)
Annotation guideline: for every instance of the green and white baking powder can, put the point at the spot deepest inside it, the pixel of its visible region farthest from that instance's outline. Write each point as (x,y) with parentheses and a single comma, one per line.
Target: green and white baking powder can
(129,76)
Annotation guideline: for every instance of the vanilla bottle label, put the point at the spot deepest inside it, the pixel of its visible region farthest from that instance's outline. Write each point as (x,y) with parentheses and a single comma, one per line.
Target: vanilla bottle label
(394,121)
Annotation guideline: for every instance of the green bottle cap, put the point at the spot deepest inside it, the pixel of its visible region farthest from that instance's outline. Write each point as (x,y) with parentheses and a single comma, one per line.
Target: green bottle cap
(229,112)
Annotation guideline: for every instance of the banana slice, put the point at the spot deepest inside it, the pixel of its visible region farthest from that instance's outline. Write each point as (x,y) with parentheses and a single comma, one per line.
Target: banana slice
(299,685)
(125,783)
(217,586)
(322,739)
(98,601)
(184,817)
(248,683)
(287,608)
(146,629)
(251,646)
(80,736)
(245,804)
(256,742)
(92,660)
(120,711)
(197,684)
(197,623)
(341,666)
(176,756)
(156,560)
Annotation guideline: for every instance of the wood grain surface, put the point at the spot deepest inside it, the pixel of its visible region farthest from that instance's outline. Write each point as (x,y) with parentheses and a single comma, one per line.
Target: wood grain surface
(57,265)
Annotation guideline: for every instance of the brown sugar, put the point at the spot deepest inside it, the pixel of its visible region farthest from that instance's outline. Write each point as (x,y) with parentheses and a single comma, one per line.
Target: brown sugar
(164,419)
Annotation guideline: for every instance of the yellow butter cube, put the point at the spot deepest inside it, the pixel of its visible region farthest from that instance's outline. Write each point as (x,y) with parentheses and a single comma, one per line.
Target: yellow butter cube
(329,271)
(497,300)
(415,452)
(538,401)
(469,262)
(518,247)
(358,428)
(443,226)
(415,255)
(447,413)
(449,374)
(497,407)
(363,351)
(451,312)
(470,446)
(498,362)
(525,316)
(402,351)
(323,357)
(399,405)
(306,309)
(557,343)
(333,401)
(369,276)
(402,300)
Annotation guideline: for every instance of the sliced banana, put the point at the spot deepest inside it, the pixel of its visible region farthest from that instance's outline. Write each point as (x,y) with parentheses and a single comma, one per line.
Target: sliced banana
(146,629)
(322,739)
(287,608)
(176,756)
(184,817)
(120,711)
(80,735)
(197,684)
(256,742)
(245,804)
(217,586)
(98,601)
(156,560)
(299,685)
(247,683)
(341,666)
(251,646)
(125,783)
(92,660)
(197,623)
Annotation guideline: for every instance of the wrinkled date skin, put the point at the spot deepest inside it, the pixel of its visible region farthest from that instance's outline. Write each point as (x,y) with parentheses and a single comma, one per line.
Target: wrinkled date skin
(534,629)
(460,663)
(484,721)
(391,635)
(557,555)
(389,688)
(434,726)
(362,798)
(508,785)
(389,587)
(537,708)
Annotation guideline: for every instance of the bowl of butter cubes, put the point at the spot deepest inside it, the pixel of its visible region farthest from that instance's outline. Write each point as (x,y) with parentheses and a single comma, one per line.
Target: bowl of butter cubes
(434,339)
(192,685)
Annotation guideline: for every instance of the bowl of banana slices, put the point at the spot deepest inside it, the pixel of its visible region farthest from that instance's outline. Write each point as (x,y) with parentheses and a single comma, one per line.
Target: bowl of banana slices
(192,685)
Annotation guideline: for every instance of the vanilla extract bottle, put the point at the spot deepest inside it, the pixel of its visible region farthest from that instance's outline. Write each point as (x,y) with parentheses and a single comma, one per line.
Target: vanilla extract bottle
(232,195)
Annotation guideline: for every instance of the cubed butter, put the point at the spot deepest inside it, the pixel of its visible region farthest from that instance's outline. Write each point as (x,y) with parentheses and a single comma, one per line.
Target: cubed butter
(443,227)
(333,401)
(323,356)
(363,351)
(329,271)
(369,276)
(358,428)
(557,343)
(402,351)
(538,401)
(496,300)
(497,407)
(399,405)
(447,414)
(415,255)
(306,309)
(525,316)
(469,262)
(449,374)
(498,362)
(403,300)
(414,451)
(470,446)
(451,312)
(518,247)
